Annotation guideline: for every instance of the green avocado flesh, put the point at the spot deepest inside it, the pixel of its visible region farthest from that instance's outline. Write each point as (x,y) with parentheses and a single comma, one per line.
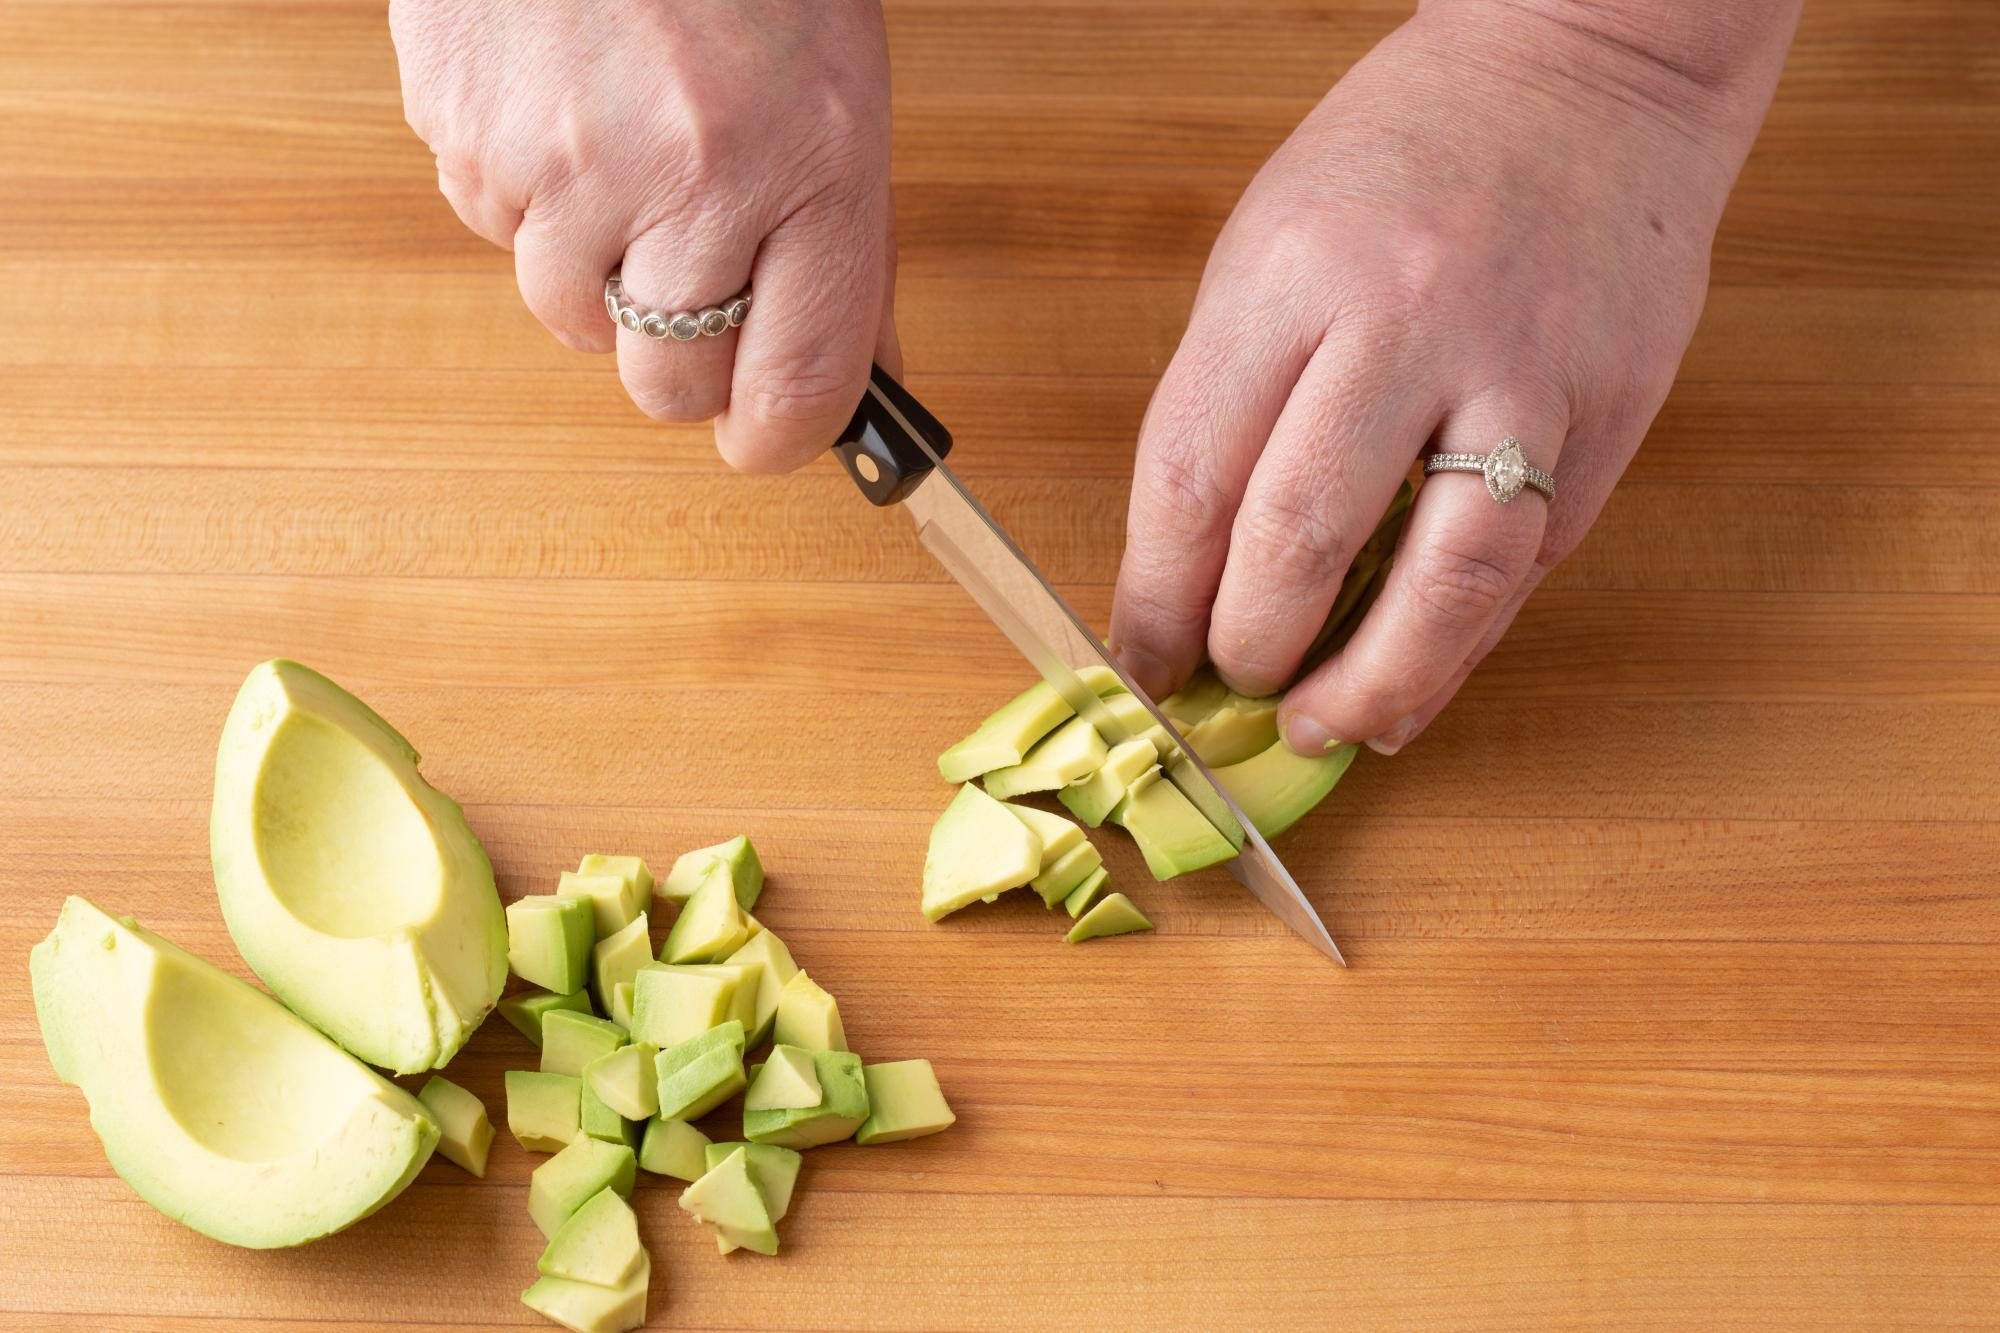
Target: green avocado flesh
(1192,702)
(774,1171)
(216,1104)
(544,1111)
(549,940)
(671,1005)
(526,1009)
(808,1017)
(613,900)
(673,1148)
(626,1081)
(1081,896)
(904,1102)
(700,1074)
(1238,729)
(570,1041)
(745,982)
(738,860)
(1073,750)
(599,1243)
(1007,735)
(1133,722)
(769,953)
(1092,798)
(977,847)
(1058,835)
(564,1183)
(354,889)
(599,1121)
(1113,915)
(726,1201)
(1173,836)
(617,958)
(585,1307)
(1277,787)
(465,1134)
(785,1081)
(1058,879)
(711,925)
(843,1106)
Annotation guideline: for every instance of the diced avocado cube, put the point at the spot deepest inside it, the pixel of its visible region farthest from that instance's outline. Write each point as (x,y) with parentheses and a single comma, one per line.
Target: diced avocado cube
(843,1106)
(808,1017)
(1058,835)
(977,847)
(526,1009)
(599,1121)
(1007,734)
(1058,880)
(1139,784)
(571,1040)
(585,1307)
(770,953)
(904,1102)
(784,1081)
(1277,787)
(1081,896)
(737,856)
(1071,751)
(631,869)
(544,1111)
(1240,728)
(748,978)
(599,1243)
(1173,835)
(618,957)
(1134,722)
(711,925)
(625,1080)
(464,1132)
(726,1201)
(774,1170)
(672,1004)
(548,942)
(1113,915)
(564,1183)
(1202,695)
(615,901)
(1091,799)
(701,1073)
(621,1004)
(673,1148)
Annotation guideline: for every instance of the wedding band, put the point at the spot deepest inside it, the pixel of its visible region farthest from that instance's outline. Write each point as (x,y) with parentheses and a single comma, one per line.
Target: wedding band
(1505,470)
(681,326)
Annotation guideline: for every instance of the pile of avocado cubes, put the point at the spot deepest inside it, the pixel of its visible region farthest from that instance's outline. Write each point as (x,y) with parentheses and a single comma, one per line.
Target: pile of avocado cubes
(634,1049)
(986,842)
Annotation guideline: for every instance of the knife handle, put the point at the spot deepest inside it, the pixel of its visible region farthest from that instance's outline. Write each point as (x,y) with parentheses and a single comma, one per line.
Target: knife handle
(883,447)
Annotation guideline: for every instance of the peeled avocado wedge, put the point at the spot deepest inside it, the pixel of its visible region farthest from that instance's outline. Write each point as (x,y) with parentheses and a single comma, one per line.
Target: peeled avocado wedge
(353,889)
(599,1243)
(1073,750)
(1277,787)
(727,1201)
(585,1307)
(737,858)
(977,847)
(222,1108)
(1174,836)
(1011,730)
(1093,798)
(1113,915)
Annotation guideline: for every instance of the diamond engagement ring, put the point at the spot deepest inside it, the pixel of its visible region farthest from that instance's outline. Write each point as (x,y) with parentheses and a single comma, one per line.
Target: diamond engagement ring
(682,326)
(1505,470)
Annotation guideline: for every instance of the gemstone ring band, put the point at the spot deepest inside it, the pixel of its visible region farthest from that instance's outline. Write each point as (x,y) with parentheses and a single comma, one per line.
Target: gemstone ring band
(684,326)
(1505,470)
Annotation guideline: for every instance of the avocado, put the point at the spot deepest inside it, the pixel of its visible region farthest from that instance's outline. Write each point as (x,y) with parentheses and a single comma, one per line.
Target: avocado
(1091,798)
(673,1004)
(353,889)
(786,1080)
(977,847)
(564,1183)
(1059,880)
(770,953)
(747,982)
(711,925)
(636,896)
(1238,729)
(774,1170)
(1172,834)
(1134,722)
(222,1108)
(1139,784)
(599,1244)
(843,1106)
(726,1201)
(1071,751)
(673,1148)
(585,1307)
(1007,734)
(737,857)
(526,1009)
(549,940)
(599,1121)
(614,899)
(1192,702)
(618,957)
(544,1111)
(701,1073)
(808,1017)
(1080,897)
(464,1133)
(625,1080)
(621,1003)
(1277,787)
(904,1102)
(1058,835)
(1113,915)
(571,1040)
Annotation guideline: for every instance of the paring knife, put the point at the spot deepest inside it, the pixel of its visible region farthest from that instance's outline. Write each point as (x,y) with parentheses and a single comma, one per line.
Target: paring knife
(894,449)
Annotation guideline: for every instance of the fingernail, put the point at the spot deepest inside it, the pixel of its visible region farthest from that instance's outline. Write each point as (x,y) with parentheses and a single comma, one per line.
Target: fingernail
(1396,737)
(1148,670)
(1308,737)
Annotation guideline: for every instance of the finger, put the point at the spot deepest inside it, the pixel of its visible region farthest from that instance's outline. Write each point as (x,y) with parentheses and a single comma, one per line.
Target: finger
(1204,429)
(484,213)
(672,270)
(821,281)
(1401,734)
(1462,558)
(561,263)
(1342,445)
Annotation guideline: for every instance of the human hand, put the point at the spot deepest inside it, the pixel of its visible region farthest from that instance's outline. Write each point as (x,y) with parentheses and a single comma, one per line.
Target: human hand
(1497,224)
(702,147)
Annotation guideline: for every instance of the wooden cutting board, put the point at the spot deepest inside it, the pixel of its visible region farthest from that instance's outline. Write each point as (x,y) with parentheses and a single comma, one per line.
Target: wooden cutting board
(1706,1033)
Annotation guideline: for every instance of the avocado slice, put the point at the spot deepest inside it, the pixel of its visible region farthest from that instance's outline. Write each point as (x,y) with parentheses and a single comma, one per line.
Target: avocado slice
(1238,729)
(1059,880)
(768,952)
(526,1009)
(614,899)
(1058,835)
(673,1004)
(711,925)
(843,1106)
(1080,897)
(1172,834)
(1136,723)
(1092,798)
(625,1080)
(571,1040)
(904,1102)
(727,1202)
(618,957)
(585,1307)
(786,1080)
(1113,915)
(1008,733)
(549,940)
(599,1121)
(1192,702)
(599,1244)
(564,1183)
(218,1105)
(1073,750)
(1277,787)
(673,1148)
(808,1017)
(465,1135)
(353,888)
(701,1073)
(977,847)
(544,1111)
(737,857)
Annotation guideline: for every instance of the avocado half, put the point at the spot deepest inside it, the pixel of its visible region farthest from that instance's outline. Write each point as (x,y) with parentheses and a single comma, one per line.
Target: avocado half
(354,889)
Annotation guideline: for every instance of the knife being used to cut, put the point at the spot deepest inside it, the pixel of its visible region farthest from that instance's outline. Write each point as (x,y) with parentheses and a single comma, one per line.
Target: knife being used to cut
(894,449)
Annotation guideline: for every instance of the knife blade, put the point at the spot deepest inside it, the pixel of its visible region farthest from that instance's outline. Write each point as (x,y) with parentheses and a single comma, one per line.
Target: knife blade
(894,450)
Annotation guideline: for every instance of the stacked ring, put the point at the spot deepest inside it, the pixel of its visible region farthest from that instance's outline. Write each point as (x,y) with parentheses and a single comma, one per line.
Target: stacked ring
(681,326)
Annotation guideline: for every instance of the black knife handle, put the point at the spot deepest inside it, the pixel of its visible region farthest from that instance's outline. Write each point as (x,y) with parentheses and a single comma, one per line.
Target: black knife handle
(880,448)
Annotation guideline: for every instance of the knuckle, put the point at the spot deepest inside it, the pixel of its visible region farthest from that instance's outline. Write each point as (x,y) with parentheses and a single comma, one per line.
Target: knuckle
(1180,485)
(1291,542)
(1461,583)
(804,391)
(674,400)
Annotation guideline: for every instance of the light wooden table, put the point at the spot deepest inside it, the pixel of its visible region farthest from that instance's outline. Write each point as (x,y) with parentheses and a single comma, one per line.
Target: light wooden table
(1709,1035)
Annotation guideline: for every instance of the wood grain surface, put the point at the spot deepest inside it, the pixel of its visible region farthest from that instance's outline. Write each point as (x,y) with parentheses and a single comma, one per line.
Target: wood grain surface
(1707,1035)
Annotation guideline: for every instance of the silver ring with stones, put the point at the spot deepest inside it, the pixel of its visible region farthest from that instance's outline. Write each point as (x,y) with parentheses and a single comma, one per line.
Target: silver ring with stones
(1507,473)
(680,325)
